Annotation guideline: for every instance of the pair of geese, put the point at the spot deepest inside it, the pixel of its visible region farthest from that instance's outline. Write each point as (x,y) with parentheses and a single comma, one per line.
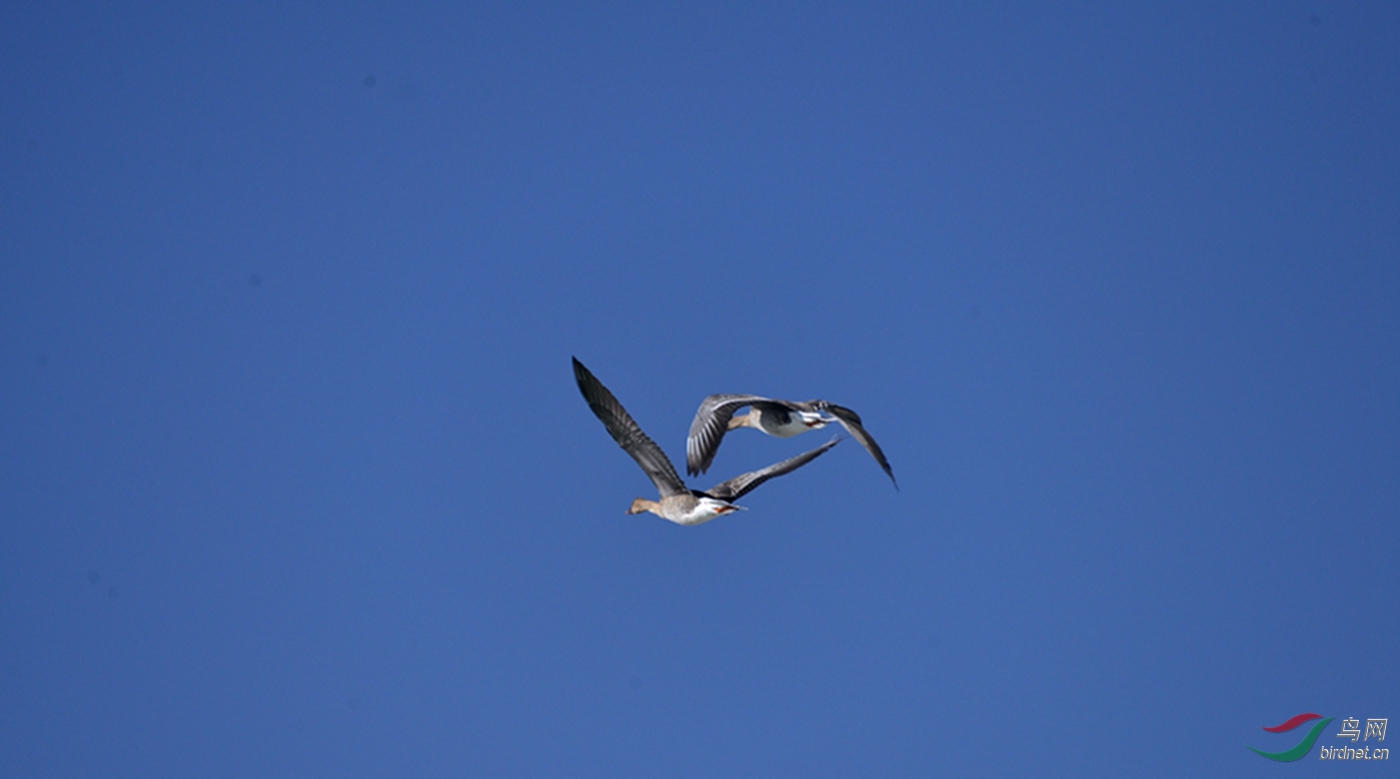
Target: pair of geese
(716,416)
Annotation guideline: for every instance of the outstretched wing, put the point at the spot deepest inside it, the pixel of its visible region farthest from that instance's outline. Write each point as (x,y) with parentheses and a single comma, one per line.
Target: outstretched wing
(708,428)
(627,434)
(851,421)
(740,486)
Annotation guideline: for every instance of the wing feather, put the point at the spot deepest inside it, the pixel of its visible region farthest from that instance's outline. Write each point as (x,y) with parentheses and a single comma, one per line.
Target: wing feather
(743,484)
(851,421)
(708,428)
(628,434)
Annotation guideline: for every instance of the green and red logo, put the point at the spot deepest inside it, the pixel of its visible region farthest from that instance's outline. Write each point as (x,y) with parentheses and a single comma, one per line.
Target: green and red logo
(1303,746)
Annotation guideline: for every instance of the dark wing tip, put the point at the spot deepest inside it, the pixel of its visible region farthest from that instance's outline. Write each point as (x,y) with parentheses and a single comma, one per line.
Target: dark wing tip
(884,464)
(701,454)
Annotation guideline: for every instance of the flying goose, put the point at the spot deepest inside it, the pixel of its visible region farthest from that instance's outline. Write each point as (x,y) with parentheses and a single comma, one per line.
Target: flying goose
(781,418)
(678,503)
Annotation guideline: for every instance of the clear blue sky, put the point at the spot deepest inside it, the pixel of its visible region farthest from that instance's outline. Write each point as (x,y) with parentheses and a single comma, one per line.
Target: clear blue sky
(295,479)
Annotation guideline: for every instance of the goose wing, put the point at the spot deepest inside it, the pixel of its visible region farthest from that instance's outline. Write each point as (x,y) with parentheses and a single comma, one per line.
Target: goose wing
(628,434)
(851,421)
(709,426)
(742,485)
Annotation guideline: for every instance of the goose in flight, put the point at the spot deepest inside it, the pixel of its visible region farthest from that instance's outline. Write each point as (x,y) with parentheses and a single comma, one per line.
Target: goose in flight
(781,418)
(678,503)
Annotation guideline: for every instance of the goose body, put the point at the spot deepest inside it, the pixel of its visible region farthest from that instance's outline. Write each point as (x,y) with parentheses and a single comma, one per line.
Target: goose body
(677,502)
(685,509)
(780,418)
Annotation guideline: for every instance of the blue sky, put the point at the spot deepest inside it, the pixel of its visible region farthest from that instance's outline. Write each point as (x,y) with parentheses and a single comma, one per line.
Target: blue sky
(296,480)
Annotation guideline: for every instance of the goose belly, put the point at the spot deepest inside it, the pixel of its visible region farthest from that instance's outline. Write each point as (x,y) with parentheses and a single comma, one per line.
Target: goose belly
(787,425)
(704,511)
